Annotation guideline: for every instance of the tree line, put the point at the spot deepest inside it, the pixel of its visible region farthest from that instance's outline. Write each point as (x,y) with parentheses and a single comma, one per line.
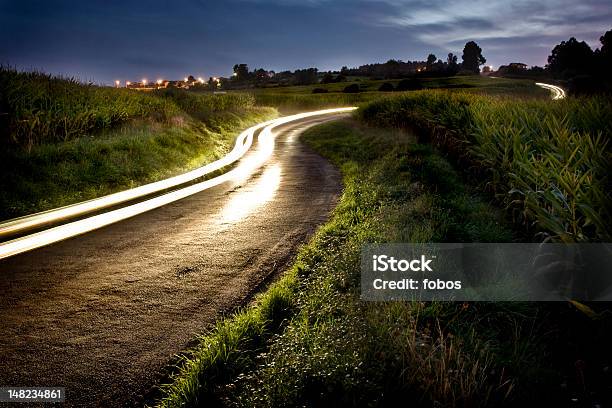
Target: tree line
(583,69)
(472,59)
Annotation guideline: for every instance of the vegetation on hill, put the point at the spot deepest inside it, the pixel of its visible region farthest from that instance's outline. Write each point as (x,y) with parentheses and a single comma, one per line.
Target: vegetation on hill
(65,142)
(547,162)
(289,99)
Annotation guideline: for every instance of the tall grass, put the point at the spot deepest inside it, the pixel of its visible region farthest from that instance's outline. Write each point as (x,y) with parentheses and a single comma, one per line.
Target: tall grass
(37,108)
(41,108)
(193,102)
(64,142)
(548,162)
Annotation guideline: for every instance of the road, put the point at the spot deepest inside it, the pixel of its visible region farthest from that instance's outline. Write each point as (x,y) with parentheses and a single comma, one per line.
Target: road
(103,314)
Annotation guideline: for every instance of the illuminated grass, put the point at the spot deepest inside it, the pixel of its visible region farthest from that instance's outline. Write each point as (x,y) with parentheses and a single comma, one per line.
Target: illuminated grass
(65,142)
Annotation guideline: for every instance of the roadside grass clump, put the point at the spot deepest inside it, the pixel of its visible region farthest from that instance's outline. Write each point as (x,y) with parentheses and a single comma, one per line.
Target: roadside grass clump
(203,105)
(228,348)
(548,162)
(326,347)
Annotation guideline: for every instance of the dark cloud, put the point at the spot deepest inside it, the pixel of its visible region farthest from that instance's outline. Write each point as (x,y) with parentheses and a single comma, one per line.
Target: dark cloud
(129,39)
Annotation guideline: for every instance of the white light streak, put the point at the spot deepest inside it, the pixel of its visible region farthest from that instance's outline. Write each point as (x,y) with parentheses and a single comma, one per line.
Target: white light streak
(62,232)
(557,92)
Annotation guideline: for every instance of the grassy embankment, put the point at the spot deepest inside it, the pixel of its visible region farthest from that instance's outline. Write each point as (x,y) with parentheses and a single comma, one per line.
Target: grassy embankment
(308,340)
(293,98)
(547,162)
(64,142)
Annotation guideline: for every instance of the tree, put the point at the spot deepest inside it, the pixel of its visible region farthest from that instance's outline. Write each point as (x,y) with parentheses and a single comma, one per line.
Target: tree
(305,76)
(386,87)
(604,54)
(571,58)
(353,88)
(472,57)
(431,59)
(451,64)
(241,72)
(213,83)
(412,84)
(261,76)
(328,78)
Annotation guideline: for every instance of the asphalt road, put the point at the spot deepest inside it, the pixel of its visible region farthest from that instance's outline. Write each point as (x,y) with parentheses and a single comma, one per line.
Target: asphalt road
(105,313)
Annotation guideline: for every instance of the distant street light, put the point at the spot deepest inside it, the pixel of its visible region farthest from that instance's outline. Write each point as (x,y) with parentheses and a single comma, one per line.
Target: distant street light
(186,79)
(127,83)
(201,80)
(144,82)
(160,81)
(117,83)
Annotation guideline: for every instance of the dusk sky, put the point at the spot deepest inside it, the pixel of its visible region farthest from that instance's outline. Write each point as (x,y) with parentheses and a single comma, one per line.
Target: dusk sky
(106,40)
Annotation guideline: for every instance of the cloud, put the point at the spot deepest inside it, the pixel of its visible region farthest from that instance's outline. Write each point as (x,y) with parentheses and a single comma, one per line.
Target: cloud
(447,23)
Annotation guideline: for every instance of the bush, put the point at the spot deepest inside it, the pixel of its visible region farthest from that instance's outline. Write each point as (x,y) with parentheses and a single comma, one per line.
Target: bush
(319,91)
(386,87)
(353,88)
(411,84)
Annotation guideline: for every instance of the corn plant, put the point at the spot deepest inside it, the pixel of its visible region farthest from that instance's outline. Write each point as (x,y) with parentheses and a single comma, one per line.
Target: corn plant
(547,162)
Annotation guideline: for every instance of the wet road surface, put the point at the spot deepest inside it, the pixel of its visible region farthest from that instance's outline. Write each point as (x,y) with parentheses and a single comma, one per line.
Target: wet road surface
(103,314)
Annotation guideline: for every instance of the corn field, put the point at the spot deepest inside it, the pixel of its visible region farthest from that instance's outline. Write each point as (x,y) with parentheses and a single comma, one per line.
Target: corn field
(37,108)
(548,162)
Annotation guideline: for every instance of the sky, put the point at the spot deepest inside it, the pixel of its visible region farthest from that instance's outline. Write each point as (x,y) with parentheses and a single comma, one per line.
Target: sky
(106,40)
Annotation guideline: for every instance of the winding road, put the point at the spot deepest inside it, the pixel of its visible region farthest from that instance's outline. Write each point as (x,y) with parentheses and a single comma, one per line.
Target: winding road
(103,314)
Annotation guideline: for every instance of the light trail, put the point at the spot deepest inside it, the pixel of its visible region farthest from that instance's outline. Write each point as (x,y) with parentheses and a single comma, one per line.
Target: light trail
(72,229)
(28,222)
(557,92)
